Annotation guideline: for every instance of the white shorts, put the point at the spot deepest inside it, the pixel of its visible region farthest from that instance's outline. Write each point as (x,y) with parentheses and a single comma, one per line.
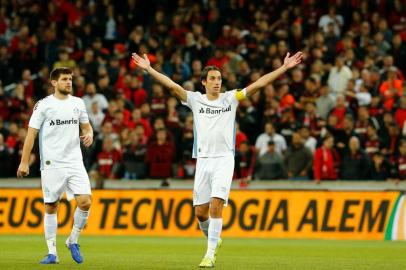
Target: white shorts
(58,180)
(213,179)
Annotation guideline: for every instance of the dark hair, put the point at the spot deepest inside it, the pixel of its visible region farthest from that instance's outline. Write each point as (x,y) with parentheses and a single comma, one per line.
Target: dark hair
(57,72)
(205,71)
(327,137)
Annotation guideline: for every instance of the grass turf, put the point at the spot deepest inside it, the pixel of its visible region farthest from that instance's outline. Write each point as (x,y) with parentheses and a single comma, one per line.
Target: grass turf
(24,252)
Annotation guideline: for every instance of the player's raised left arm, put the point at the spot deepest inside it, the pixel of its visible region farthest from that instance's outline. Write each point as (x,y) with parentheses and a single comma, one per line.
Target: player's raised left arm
(87,134)
(289,62)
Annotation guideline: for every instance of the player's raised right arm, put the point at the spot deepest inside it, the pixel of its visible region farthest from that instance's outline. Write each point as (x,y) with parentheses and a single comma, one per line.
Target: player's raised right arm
(24,167)
(173,87)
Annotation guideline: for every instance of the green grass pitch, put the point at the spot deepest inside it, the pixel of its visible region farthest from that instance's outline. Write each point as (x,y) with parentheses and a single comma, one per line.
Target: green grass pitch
(24,252)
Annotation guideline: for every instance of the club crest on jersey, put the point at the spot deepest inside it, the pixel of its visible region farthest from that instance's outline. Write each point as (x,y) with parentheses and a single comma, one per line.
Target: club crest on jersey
(76,111)
(59,122)
(215,111)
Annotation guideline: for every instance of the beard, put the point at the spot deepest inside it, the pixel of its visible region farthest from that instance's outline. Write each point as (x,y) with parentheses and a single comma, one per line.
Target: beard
(64,91)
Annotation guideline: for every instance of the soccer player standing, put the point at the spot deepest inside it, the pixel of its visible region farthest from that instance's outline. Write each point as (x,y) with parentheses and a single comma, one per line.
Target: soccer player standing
(57,118)
(214,141)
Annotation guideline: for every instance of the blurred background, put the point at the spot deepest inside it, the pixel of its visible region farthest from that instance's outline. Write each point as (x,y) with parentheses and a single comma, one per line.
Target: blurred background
(338,116)
(320,153)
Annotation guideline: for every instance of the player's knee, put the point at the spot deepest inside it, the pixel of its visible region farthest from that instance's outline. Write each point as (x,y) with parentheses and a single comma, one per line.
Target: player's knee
(202,213)
(85,204)
(216,207)
(216,212)
(202,216)
(51,208)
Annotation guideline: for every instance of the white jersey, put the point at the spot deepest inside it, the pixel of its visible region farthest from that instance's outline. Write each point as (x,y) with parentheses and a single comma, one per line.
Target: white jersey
(213,124)
(58,123)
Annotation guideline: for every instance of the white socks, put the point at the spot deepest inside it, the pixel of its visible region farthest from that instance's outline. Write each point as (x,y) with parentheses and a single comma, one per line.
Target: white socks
(79,222)
(204,226)
(50,227)
(214,232)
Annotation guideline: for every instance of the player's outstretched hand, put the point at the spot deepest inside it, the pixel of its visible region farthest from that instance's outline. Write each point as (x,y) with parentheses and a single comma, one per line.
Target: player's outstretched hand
(87,139)
(141,62)
(292,61)
(23,170)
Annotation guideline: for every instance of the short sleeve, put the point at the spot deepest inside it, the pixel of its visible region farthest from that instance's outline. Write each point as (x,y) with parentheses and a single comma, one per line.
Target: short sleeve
(38,115)
(83,117)
(190,99)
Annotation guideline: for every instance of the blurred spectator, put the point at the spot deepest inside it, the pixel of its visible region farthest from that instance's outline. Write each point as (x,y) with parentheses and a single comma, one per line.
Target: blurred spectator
(297,84)
(298,159)
(240,136)
(17,105)
(92,96)
(172,120)
(187,167)
(4,158)
(160,155)
(393,141)
(96,117)
(375,108)
(245,161)
(262,145)
(325,161)
(361,125)
(270,164)
(381,167)
(399,52)
(158,101)
(139,120)
(139,95)
(312,120)
(373,143)
(248,116)
(400,114)
(324,103)
(355,164)
(3,130)
(391,89)
(103,85)
(311,92)
(106,131)
(363,96)
(64,60)
(79,85)
(331,18)
(287,124)
(12,138)
(339,76)
(309,141)
(134,154)
(286,100)
(108,161)
(401,161)
(340,110)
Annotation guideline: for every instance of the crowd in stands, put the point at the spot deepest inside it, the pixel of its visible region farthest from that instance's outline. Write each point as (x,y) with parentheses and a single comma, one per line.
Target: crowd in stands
(338,115)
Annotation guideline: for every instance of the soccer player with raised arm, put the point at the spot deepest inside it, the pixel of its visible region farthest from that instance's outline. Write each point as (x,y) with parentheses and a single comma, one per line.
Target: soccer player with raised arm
(214,141)
(57,118)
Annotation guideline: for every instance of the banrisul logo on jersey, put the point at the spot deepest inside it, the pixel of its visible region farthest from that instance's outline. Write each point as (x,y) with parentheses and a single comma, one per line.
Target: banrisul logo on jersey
(215,111)
(59,122)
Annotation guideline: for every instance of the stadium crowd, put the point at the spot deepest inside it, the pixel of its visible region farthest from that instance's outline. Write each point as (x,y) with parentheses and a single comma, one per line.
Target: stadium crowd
(339,115)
